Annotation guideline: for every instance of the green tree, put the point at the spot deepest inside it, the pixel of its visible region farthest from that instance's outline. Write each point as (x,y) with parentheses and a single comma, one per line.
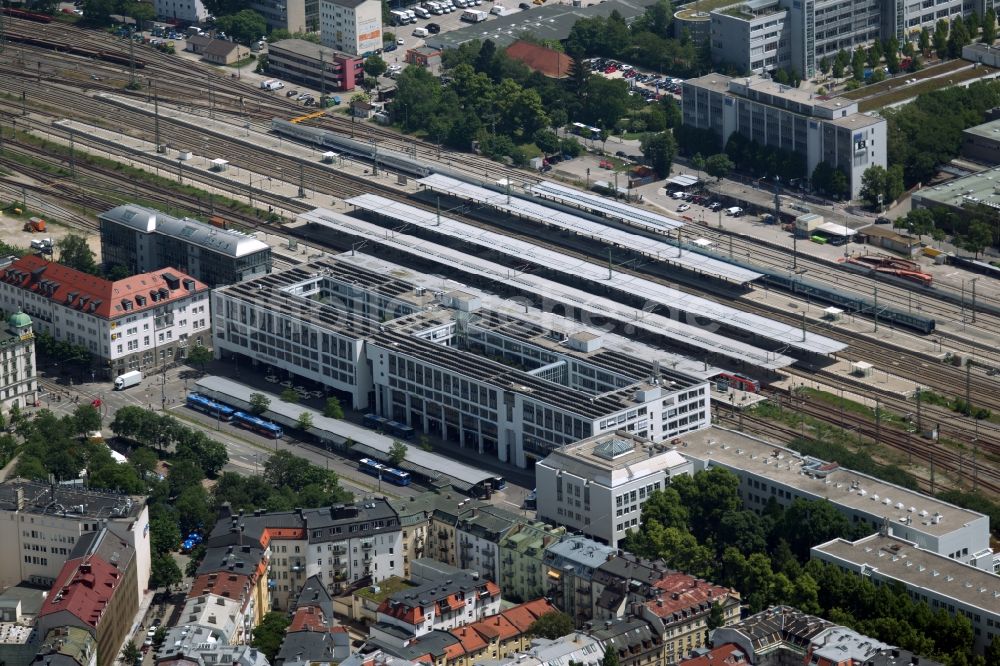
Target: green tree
(547,141)
(375,66)
(977,238)
(199,355)
(290,395)
(924,41)
(131,654)
(268,635)
(75,253)
(245,26)
(989,26)
(305,421)
(397,453)
(199,448)
(894,186)
(660,149)
(332,408)
(718,166)
(552,626)
(259,403)
(86,419)
(873,185)
(610,657)
(840,62)
(164,571)
(164,534)
(184,474)
(941,38)
(194,510)
(824,65)
(716,616)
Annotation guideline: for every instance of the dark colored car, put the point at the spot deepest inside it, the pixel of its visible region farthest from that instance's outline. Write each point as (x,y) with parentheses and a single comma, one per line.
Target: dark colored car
(433,28)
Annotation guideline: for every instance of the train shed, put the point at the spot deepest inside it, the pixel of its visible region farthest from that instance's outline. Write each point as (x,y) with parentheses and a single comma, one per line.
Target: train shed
(645,246)
(436,468)
(604,207)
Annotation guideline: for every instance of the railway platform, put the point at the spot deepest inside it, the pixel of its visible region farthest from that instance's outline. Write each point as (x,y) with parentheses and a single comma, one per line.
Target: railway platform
(735,398)
(878,381)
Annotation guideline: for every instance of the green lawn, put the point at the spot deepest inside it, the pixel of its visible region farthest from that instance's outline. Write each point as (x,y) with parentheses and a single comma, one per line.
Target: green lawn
(387,587)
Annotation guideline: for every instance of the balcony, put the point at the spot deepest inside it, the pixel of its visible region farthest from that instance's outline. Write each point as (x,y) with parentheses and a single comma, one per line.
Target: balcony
(339,550)
(466,545)
(366,545)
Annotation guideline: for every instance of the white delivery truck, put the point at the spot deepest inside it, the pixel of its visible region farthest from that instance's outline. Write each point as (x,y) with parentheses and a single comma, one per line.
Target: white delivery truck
(128,380)
(474,15)
(411,15)
(420,32)
(421,12)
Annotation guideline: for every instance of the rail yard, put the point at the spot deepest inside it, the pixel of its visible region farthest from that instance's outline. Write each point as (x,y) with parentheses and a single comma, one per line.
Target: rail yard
(56,81)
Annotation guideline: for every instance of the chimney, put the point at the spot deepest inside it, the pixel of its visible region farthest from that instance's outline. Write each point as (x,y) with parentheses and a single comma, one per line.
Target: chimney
(19,494)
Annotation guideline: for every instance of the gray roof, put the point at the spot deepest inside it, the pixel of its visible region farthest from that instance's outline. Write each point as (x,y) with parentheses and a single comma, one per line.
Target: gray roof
(304,647)
(238,559)
(441,503)
(304,48)
(374,515)
(488,522)
(314,593)
(351,4)
(433,642)
(205,647)
(545,22)
(146,220)
(780,627)
(429,593)
(579,554)
(631,633)
(68,501)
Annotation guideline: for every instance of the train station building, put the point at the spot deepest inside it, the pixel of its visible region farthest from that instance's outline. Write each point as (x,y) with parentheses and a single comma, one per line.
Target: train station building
(451,361)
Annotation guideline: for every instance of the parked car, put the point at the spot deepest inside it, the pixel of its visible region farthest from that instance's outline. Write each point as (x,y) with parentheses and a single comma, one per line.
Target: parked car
(433,28)
(715,205)
(683,207)
(291,93)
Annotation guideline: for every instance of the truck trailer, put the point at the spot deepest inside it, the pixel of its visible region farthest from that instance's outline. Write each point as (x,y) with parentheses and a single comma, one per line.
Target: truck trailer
(128,380)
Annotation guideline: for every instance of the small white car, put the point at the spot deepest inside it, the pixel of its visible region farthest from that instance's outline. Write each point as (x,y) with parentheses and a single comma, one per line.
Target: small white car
(683,207)
(400,41)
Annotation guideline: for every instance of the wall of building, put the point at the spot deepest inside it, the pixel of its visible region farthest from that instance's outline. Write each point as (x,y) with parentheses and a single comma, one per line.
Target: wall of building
(182,11)
(356,30)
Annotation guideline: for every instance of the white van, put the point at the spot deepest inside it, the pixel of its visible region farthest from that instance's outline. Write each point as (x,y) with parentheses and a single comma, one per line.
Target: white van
(735,211)
(420,32)
(421,12)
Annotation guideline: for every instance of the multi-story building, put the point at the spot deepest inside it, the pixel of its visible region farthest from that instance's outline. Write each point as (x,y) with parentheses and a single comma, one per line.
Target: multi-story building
(143,240)
(42,524)
(638,642)
(226,601)
(769,472)
(131,324)
(440,605)
(462,365)
(765,35)
(313,635)
(316,66)
(295,16)
(576,649)
(351,26)
(422,517)
(18,383)
(569,567)
(479,531)
(819,128)
(202,646)
(96,592)
(67,646)
(929,578)
(683,603)
(181,11)
(338,545)
(597,486)
(523,574)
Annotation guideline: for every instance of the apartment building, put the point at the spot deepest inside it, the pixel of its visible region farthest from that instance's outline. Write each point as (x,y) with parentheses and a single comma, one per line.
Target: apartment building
(338,545)
(637,641)
(42,524)
(18,381)
(295,16)
(143,240)
(597,486)
(432,359)
(478,533)
(770,472)
(136,323)
(761,36)
(66,646)
(938,581)
(321,68)
(423,518)
(181,11)
(95,591)
(522,559)
(201,646)
(227,601)
(570,566)
(351,26)
(313,635)
(819,128)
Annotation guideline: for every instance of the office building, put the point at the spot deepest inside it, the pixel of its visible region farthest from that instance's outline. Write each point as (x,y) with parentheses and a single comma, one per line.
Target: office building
(351,26)
(318,67)
(410,351)
(940,582)
(137,323)
(765,35)
(569,568)
(338,545)
(982,142)
(597,486)
(295,16)
(18,383)
(95,591)
(820,129)
(976,189)
(767,471)
(181,11)
(522,559)
(142,240)
(42,524)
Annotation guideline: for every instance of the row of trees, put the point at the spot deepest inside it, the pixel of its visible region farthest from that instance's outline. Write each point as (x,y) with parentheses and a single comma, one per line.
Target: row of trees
(698,525)
(163,432)
(975,229)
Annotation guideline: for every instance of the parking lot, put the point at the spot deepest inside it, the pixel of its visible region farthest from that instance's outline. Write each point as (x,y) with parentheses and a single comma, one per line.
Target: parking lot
(650,85)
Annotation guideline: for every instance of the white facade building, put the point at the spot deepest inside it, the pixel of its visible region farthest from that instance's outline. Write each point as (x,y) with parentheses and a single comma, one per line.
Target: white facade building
(598,486)
(768,471)
(457,363)
(18,382)
(182,11)
(40,524)
(132,324)
(937,581)
(351,26)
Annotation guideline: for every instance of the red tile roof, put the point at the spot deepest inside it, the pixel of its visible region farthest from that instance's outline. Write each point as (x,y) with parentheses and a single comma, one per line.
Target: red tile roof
(727,654)
(547,61)
(95,295)
(412,615)
(281,533)
(469,640)
(681,591)
(83,588)
(230,585)
(523,616)
(308,618)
